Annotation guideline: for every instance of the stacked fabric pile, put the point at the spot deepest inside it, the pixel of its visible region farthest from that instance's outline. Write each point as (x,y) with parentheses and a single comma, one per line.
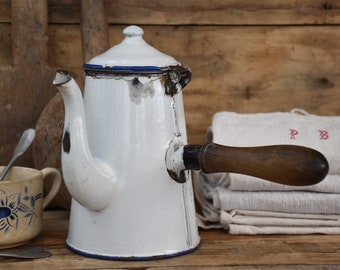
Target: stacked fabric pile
(248,205)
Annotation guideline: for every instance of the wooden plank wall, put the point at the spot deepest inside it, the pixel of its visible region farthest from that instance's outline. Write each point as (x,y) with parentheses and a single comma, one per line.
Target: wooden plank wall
(246,56)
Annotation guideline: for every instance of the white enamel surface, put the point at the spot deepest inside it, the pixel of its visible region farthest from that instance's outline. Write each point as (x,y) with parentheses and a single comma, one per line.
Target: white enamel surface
(133,51)
(129,125)
(88,180)
(150,214)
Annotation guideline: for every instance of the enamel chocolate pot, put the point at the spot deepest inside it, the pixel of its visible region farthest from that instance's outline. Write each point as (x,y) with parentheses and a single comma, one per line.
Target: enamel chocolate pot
(126,161)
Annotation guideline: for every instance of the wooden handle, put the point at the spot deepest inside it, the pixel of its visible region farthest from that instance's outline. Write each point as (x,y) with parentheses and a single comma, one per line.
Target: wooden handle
(284,164)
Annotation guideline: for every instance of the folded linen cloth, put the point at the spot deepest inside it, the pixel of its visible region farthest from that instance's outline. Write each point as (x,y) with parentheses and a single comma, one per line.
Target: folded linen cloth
(267,218)
(296,127)
(212,195)
(264,222)
(288,202)
(239,182)
(248,205)
(252,230)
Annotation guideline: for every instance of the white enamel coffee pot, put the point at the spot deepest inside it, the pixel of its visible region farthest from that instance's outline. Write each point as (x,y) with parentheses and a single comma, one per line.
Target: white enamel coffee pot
(126,166)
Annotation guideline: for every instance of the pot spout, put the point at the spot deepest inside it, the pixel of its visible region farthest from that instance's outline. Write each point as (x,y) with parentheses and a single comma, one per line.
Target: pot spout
(89,180)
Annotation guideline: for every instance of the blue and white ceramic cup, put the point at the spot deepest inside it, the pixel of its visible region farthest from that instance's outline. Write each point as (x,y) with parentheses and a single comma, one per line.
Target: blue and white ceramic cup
(22,203)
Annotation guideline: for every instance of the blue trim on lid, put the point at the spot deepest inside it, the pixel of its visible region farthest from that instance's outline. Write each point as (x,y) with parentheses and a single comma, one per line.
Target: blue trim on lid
(122,68)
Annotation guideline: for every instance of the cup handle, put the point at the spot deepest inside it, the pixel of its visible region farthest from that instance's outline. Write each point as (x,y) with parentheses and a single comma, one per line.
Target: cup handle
(56,178)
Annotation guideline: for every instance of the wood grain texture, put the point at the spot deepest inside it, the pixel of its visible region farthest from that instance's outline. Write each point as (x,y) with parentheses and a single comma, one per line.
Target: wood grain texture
(218,250)
(23,92)
(5,11)
(216,12)
(230,12)
(5,45)
(202,12)
(94,28)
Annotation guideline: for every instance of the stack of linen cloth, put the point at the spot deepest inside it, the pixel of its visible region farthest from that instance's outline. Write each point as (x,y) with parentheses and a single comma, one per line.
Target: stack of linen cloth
(248,205)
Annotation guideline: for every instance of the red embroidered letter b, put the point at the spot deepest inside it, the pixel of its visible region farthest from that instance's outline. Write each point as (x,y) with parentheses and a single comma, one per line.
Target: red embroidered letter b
(323,134)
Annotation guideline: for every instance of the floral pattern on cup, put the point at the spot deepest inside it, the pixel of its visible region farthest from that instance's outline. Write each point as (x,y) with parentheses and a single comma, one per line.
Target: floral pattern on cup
(13,204)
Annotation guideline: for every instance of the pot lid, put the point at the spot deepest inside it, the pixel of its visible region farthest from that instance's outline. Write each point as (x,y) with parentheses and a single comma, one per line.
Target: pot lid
(133,54)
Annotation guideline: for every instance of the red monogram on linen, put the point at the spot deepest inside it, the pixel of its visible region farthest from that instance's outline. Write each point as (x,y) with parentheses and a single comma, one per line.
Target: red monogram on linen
(323,134)
(293,133)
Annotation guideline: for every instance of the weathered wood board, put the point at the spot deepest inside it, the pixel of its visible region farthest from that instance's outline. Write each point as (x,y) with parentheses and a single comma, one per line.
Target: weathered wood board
(217,251)
(25,76)
(245,56)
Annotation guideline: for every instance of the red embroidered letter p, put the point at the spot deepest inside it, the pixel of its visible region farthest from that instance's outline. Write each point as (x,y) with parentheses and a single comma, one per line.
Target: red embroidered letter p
(293,133)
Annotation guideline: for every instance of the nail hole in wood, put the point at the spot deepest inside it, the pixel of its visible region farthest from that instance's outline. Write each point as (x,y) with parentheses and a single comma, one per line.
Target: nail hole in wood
(327,6)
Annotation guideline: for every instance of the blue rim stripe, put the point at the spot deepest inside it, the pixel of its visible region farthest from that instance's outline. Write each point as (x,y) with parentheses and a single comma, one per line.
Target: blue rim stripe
(122,68)
(132,258)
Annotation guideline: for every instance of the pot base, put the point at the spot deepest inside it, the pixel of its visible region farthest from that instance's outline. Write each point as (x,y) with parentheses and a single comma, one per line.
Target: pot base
(132,258)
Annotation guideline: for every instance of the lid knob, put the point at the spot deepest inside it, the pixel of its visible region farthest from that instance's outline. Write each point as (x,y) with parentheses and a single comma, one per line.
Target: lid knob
(133,31)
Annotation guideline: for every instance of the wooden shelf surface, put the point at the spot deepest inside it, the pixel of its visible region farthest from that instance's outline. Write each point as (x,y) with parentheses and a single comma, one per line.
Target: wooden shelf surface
(218,250)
